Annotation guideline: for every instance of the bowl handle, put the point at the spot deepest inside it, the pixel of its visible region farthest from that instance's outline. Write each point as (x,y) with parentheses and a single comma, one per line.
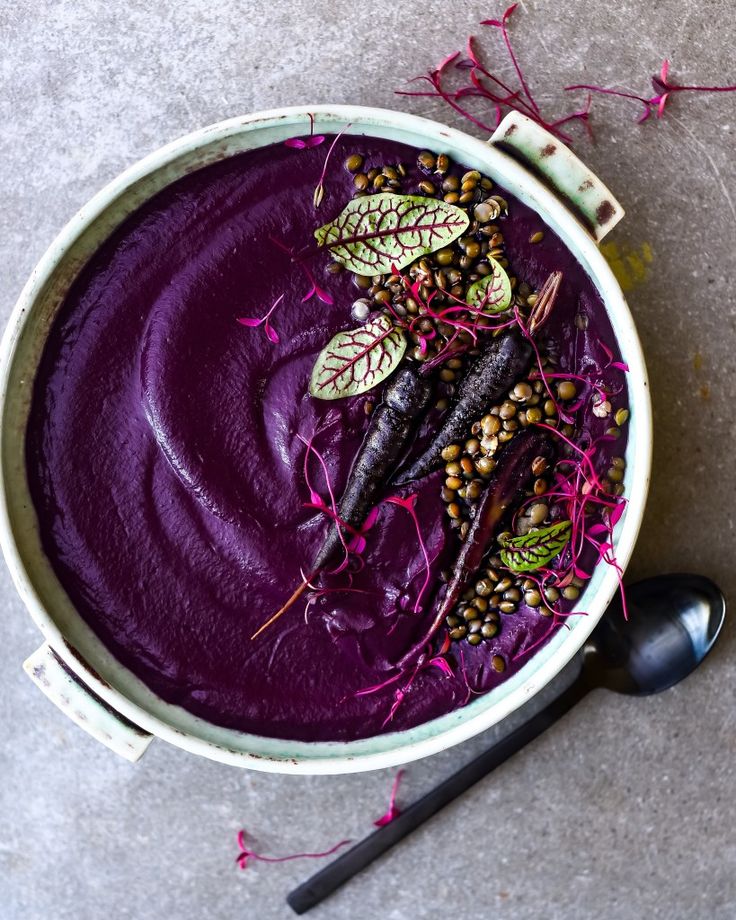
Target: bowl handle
(580,190)
(62,686)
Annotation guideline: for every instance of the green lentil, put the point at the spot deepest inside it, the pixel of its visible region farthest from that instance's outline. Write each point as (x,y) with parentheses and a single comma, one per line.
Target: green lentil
(485,465)
(427,160)
(473,490)
(490,425)
(354,163)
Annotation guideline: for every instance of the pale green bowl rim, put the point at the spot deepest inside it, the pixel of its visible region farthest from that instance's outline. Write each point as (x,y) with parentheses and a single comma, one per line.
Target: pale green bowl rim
(48,604)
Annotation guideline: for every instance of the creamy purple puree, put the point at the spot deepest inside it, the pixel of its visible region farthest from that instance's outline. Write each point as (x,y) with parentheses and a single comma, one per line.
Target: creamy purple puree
(167,474)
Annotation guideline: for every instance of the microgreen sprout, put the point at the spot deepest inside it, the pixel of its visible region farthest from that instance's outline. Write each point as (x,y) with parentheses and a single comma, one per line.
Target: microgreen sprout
(265,321)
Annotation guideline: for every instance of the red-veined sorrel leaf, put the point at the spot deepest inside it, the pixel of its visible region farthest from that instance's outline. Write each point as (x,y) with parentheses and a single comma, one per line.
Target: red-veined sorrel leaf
(535,549)
(357,360)
(492,293)
(382,233)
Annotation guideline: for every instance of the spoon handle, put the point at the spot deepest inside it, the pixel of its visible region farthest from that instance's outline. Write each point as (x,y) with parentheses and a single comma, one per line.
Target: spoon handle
(352,861)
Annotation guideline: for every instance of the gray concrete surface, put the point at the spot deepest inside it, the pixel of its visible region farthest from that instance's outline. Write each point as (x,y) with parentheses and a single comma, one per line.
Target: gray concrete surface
(626,810)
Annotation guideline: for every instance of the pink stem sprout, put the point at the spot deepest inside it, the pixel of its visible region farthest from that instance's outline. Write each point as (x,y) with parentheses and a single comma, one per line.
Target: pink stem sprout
(319,190)
(246,854)
(654,105)
(409,505)
(252,322)
(315,290)
(393,810)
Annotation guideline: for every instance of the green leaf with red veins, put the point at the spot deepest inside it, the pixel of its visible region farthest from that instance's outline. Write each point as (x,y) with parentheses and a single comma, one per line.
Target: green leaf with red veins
(535,549)
(491,293)
(375,234)
(357,360)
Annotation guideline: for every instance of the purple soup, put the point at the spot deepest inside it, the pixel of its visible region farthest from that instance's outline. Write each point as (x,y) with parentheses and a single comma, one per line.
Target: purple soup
(180,467)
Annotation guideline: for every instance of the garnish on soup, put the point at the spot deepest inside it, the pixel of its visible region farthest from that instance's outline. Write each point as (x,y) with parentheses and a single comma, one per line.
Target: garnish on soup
(406,460)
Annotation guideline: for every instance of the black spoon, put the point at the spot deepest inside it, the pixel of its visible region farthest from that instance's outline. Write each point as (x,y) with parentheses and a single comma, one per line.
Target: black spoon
(674,621)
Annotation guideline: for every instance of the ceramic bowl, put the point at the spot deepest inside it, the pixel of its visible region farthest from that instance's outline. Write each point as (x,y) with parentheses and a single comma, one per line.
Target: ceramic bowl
(72,666)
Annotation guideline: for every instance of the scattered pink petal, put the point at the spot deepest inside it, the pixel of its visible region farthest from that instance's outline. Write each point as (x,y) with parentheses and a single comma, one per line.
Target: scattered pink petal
(246,854)
(312,140)
(317,291)
(271,333)
(370,520)
(393,809)
(606,350)
(300,143)
(357,544)
(441,663)
(616,513)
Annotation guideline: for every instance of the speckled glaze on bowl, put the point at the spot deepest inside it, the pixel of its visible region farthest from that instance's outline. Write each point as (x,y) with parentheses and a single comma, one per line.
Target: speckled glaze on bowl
(72,666)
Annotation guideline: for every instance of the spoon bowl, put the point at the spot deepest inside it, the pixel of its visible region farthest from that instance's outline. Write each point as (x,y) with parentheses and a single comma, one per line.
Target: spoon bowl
(673,622)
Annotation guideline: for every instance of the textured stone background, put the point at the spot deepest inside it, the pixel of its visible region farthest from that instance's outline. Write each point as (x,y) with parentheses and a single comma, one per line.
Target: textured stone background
(626,809)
